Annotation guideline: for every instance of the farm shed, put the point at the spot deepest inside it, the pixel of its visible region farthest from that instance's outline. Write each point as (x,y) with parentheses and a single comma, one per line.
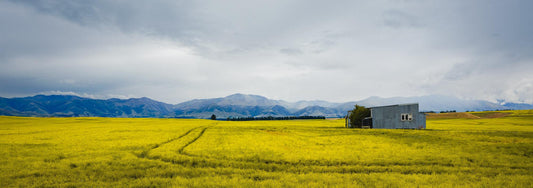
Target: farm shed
(399,116)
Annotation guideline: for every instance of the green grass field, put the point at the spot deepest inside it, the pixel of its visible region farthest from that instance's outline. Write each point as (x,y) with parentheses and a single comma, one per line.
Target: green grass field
(490,150)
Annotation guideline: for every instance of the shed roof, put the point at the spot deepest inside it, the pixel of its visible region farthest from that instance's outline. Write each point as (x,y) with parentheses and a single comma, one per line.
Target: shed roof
(406,104)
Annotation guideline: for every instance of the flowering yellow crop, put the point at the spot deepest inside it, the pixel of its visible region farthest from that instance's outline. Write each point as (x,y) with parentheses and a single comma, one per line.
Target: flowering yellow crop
(126,152)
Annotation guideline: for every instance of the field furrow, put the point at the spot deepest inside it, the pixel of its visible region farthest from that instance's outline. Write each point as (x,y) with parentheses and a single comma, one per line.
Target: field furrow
(192,141)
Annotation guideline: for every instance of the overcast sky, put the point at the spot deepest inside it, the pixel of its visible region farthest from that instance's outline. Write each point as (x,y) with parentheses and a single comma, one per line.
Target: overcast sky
(338,51)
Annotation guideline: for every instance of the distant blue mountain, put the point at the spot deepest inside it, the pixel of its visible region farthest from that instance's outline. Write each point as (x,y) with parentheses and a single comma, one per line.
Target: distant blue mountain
(236,105)
(435,103)
(74,106)
(518,106)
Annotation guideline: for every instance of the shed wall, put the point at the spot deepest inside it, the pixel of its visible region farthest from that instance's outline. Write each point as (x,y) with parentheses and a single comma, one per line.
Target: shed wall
(421,120)
(389,117)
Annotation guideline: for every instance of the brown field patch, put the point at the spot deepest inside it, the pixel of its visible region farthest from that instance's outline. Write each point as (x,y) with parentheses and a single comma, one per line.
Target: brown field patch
(456,115)
(491,114)
(467,115)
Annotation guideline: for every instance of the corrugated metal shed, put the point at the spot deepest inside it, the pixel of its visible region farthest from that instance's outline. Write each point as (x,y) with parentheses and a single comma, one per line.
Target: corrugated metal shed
(400,116)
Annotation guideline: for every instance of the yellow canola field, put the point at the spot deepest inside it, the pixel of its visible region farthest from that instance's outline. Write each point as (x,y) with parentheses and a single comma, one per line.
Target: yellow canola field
(130,152)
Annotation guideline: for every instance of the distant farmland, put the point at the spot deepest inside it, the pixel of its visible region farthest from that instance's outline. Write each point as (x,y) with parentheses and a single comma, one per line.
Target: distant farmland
(480,149)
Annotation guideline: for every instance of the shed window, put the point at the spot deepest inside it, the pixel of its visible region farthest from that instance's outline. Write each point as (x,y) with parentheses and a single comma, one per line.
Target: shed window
(406,117)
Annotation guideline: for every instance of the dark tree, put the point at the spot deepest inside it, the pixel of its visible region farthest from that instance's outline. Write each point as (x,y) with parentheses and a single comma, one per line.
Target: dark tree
(358,114)
(213,117)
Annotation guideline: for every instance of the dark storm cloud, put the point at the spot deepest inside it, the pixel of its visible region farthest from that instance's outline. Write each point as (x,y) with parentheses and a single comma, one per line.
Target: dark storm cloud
(178,50)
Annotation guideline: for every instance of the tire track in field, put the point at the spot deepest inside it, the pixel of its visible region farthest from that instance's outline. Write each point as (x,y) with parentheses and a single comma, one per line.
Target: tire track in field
(144,153)
(192,141)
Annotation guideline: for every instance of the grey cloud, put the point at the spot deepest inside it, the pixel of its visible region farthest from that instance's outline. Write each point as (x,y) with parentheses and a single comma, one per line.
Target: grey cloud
(291,51)
(168,19)
(400,19)
(480,27)
(178,50)
(208,26)
(460,71)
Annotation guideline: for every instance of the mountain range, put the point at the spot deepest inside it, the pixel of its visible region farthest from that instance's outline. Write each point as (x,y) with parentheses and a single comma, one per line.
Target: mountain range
(236,105)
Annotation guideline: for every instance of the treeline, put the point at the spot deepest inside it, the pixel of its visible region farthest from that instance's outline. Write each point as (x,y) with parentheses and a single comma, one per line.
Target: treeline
(447,111)
(273,118)
(453,111)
